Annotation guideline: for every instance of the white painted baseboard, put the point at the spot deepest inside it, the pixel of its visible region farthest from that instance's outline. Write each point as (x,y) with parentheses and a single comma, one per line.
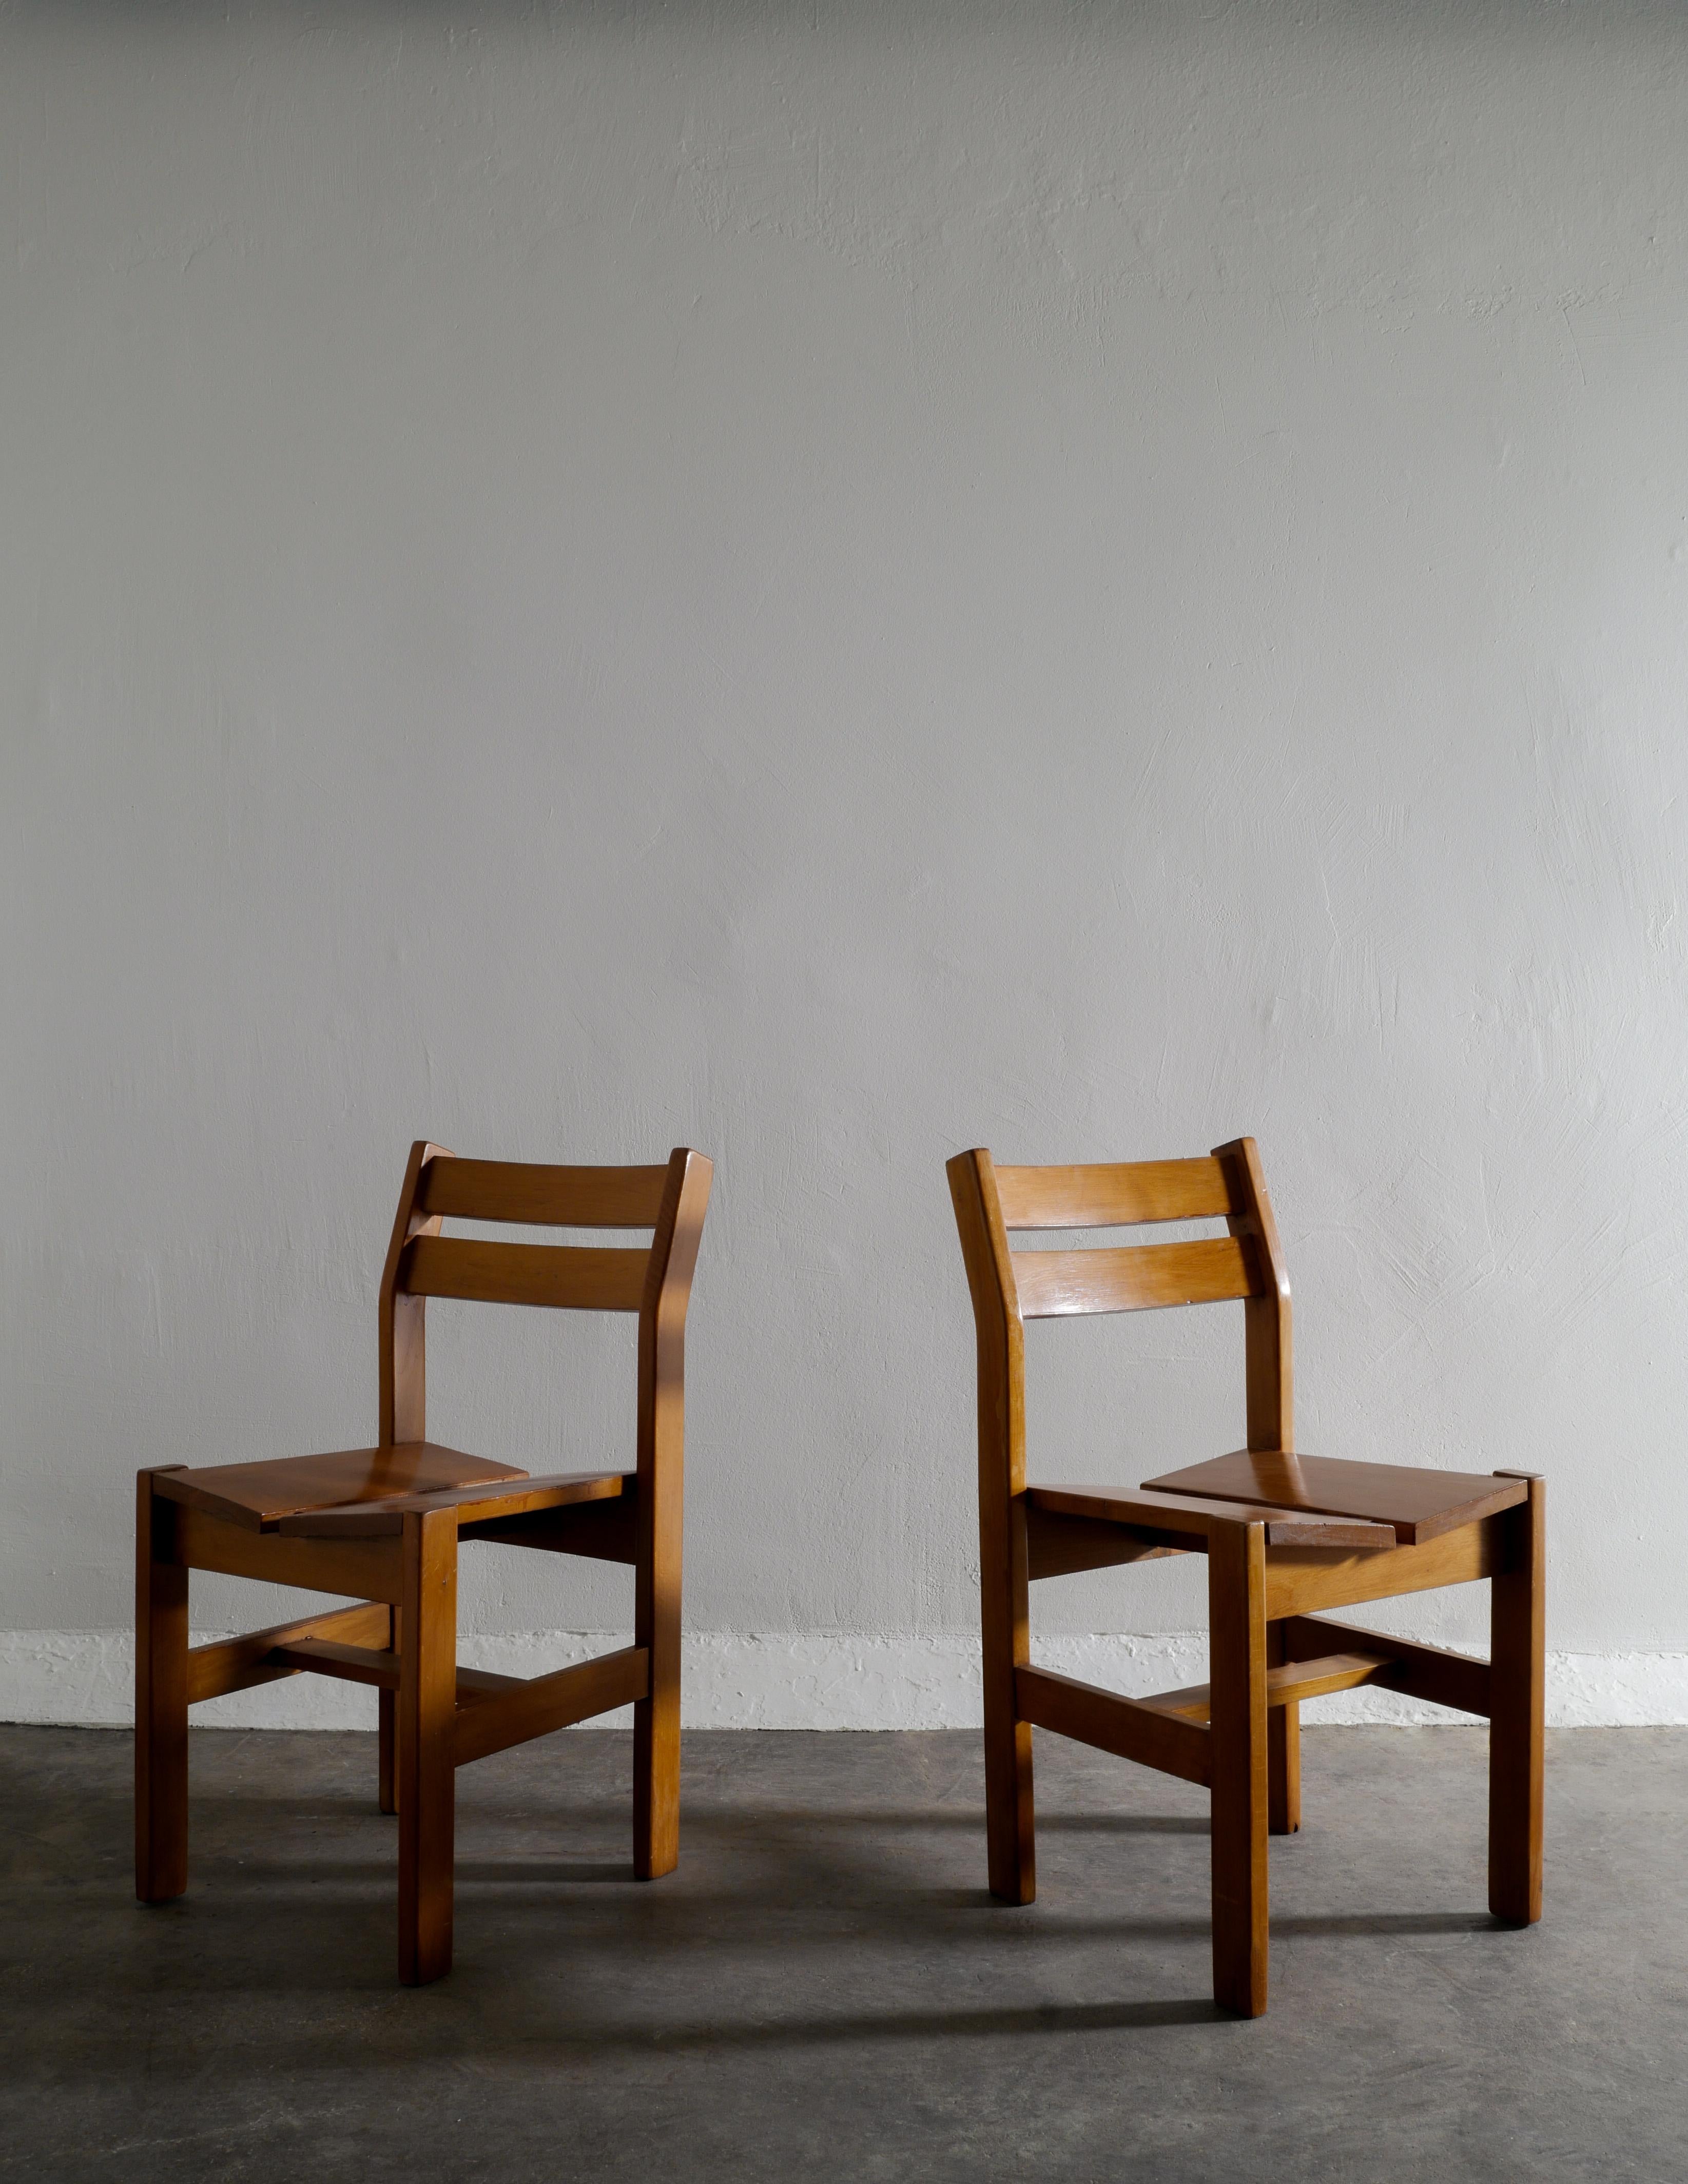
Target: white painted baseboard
(822,1679)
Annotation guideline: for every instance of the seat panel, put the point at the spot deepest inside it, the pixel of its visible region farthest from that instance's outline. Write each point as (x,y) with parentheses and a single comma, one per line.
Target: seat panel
(1421,1504)
(259,1495)
(478,1502)
(1187,1517)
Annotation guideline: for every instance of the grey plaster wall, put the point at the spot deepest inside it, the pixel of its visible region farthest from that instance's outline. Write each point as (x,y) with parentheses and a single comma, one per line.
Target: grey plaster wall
(834,584)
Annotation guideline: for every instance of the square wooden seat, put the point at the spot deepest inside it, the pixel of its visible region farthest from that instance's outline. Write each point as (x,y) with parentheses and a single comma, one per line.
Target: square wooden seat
(384,1525)
(1285,1534)
(260,1495)
(1417,1504)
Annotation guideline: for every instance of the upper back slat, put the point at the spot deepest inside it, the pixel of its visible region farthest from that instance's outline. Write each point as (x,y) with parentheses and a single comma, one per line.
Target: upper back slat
(1133,1277)
(542,1196)
(1115,1196)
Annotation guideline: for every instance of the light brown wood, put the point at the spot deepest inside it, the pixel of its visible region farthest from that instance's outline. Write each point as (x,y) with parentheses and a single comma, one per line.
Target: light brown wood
(260,1495)
(383,1525)
(602,1531)
(1183,1519)
(535,1706)
(236,1664)
(659,1510)
(1516,1706)
(381,1667)
(1260,1516)
(1269,1376)
(1424,1672)
(1283,1747)
(1420,1504)
(384,1519)
(1118,1196)
(161,1690)
(476,1684)
(1010,1835)
(542,1197)
(349,1663)
(1285,1687)
(1134,1277)
(387,1736)
(362,1569)
(401,1319)
(1236,1618)
(1299,1581)
(564,1276)
(1058,1544)
(1128,1728)
(427,1710)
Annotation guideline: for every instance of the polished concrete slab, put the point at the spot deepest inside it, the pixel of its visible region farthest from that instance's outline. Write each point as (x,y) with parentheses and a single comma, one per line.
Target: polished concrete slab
(824,1989)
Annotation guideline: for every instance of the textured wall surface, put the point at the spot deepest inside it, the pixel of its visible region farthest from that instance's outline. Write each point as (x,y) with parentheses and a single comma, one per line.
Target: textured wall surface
(834,584)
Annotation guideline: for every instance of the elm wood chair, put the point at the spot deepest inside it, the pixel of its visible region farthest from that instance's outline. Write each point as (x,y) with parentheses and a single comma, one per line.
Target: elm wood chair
(384,1524)
(1283,1533)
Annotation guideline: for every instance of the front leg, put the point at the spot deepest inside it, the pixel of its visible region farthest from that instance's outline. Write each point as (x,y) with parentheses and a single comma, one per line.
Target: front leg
(1516,1707)
(656,1717)
(426,1758)
(1236,1608)
(160,1699)
(1010,1843)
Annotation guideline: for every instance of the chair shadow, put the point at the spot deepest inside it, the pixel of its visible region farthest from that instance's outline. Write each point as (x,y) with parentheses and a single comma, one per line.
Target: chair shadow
(1369,1924)
(905,2025)
(488,2005)
(1359,1925)
(918,1818)
(514,1872)
(1124,1824)
(550,1874)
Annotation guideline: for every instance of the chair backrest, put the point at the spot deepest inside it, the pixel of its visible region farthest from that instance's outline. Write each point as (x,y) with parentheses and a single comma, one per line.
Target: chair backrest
(654,1280)
(1011,1287)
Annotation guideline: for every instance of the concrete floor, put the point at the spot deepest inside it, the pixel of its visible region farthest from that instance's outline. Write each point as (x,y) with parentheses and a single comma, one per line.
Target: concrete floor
(824,1989)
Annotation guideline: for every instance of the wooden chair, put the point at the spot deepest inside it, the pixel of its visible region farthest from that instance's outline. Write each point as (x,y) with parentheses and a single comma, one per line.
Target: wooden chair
(1284,1535)
(383,1525)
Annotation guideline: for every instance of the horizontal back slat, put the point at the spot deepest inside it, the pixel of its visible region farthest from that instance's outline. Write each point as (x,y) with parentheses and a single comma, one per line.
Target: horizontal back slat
(543,1197)
(1115,1197)
(1133,1278)
(572,1277)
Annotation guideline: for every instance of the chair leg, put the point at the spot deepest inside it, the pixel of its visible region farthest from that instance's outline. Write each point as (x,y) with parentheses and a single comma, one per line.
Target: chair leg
(1282,1751)
(160,1701)
(656,1768)
(656,1718)
(386,1724)
(1518,1695)
(1011,1833)
(426,1768)
(1236,1592)
(1011,1838)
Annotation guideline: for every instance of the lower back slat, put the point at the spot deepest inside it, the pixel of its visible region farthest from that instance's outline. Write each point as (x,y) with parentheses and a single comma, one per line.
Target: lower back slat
(1134,1277)
(568,1277)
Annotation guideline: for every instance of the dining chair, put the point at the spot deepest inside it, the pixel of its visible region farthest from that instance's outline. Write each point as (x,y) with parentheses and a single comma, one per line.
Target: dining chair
(1283,1534)
(384,1526)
